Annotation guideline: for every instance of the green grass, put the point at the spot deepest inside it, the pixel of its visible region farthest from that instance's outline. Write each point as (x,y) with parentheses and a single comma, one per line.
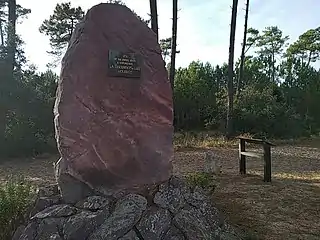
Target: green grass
(201,179)
(15,198)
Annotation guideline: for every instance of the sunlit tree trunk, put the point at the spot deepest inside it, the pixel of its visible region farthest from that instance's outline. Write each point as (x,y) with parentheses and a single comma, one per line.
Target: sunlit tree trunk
(273,67)
(1,34)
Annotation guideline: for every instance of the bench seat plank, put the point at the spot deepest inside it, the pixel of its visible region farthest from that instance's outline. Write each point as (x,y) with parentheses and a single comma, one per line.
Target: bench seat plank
(252,154)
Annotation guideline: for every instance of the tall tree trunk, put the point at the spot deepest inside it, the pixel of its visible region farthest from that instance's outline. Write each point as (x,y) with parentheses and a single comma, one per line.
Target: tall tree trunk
(173,42)
(11,35)
(9,64)
(273,68)
(242,58)
(309,59)
(165,54)
(154,17)
(1,34)
(229,127)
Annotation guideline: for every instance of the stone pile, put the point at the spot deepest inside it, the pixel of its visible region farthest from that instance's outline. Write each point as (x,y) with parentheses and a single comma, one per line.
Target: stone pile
(170,211)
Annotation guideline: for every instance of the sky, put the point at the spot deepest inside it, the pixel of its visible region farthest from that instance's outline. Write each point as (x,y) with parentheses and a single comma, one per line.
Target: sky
(203,25)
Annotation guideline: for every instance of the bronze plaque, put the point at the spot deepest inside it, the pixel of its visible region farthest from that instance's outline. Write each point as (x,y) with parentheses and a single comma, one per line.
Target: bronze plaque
(124,64)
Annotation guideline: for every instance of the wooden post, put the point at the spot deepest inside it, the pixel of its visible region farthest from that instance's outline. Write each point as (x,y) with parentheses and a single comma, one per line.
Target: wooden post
(242,158)
(267,162)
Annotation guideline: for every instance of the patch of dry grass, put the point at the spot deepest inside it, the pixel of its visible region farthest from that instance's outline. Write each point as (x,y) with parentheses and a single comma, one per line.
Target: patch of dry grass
(205,140)
(284,209)
(38,171)
(190,140)
(287,208)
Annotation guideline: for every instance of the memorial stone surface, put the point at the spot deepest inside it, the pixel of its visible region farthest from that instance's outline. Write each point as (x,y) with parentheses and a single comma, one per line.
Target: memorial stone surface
(113,113)
(113,119)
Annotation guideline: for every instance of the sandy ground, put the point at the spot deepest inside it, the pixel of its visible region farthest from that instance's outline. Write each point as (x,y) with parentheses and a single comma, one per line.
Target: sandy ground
(287,208)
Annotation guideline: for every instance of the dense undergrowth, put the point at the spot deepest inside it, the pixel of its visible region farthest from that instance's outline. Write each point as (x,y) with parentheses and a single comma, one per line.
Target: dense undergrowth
(15,198)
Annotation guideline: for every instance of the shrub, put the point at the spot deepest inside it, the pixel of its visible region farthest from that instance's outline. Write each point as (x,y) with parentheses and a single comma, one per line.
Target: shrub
(15,197)
(201,179)
(28,102)
(263,114)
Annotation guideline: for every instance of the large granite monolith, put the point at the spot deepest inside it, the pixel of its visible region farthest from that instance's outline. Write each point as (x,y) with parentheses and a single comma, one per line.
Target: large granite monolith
(113,111)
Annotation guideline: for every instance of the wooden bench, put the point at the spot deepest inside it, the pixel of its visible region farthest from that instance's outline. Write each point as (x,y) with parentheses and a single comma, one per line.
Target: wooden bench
(266,155)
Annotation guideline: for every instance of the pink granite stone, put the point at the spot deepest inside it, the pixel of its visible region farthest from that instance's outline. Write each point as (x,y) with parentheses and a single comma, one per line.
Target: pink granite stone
(113,132)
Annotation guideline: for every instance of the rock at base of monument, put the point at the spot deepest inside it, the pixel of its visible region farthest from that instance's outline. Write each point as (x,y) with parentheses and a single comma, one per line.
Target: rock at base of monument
(170,211)
(71,189)
(44,202)
(49,191)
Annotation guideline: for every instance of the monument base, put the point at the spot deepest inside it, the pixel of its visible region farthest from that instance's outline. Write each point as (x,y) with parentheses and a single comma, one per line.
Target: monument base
(172,210)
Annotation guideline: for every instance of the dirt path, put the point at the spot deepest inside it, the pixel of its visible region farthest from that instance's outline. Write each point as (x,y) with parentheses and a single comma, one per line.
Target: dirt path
(287,208)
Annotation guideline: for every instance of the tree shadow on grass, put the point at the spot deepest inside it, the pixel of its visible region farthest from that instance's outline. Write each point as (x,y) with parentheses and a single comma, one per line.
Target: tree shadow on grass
(283,209)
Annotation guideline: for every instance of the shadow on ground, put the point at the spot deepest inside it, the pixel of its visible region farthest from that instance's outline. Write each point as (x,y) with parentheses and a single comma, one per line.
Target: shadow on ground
(287,208)
(283,209)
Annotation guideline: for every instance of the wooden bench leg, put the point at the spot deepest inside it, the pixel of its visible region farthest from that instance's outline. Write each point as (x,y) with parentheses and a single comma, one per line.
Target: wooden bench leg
(267,163)
(242,158)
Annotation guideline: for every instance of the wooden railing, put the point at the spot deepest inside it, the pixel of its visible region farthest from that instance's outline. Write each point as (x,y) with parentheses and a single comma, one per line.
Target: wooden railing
(266,156)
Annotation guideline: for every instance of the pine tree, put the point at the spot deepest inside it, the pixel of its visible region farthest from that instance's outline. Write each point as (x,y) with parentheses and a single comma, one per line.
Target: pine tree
(60,25)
